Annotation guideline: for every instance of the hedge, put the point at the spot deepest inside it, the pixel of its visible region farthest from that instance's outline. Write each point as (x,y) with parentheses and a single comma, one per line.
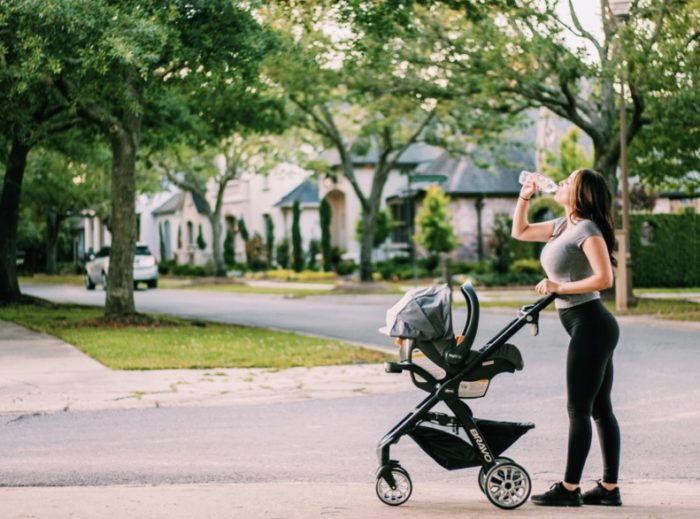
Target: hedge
(667,252)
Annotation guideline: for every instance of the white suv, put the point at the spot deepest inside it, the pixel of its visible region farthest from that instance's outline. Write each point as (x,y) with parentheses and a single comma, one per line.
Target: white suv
(145,268)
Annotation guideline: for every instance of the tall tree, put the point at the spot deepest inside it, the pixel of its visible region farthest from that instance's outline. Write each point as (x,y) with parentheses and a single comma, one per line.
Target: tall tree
(348,91)
(522,52)
(30,112)
(325,220)
(297,248)
(114,61)
(59,186)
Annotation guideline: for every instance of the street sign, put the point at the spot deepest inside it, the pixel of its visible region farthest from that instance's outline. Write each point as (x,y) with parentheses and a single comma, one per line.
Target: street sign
(428,178)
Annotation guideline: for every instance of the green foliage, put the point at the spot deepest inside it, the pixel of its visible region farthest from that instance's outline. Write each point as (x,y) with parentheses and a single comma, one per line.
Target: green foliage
(527,266)
(161,244)
(544,204)
(243,230)
(200,239)
(501,243)
(255,252)
(571,157)
(269,238)
(325,217)
(314,249)
(434,223)
(665,249)
(297,250)
(346,267)
(229,251)
(282,254)
(382,228)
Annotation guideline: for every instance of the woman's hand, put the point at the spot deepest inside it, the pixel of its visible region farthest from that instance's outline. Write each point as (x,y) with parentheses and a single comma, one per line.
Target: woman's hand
(547,286)
(529,189)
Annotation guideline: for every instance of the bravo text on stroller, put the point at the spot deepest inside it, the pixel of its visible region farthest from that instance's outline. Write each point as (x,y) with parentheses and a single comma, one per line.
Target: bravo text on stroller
(480,443)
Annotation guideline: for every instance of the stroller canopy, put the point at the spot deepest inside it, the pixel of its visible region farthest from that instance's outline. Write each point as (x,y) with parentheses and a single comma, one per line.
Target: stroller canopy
(423,314)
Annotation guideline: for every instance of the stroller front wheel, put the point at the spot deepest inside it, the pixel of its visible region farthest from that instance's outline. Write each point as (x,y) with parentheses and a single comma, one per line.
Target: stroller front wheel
(401,491)
(507,485)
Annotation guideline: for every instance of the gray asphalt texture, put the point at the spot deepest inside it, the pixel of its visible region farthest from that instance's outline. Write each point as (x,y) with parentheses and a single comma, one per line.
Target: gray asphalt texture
(655,394)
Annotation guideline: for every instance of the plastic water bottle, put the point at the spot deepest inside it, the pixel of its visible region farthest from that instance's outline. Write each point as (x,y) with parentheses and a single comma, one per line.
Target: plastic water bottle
(542,182)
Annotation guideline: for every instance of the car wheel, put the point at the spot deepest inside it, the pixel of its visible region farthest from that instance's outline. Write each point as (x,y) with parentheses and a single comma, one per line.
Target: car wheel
(89,285)
(103,280)
(152,283)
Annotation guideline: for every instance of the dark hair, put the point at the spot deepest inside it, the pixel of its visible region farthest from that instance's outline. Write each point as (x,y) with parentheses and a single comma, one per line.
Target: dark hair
(592,199)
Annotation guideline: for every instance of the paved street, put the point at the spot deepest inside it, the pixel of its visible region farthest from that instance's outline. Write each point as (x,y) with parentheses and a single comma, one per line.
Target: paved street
(332,441)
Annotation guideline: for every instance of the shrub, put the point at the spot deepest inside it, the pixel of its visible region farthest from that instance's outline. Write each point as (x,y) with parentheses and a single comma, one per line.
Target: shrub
(527,266)
(346,267)
(665,249)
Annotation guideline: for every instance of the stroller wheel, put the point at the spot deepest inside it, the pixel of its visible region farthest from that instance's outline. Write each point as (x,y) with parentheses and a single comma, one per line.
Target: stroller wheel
(400,493)
(482,472)
(507,485)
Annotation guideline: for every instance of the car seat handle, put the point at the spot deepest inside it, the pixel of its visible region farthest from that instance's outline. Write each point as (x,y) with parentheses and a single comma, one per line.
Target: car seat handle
(459,352)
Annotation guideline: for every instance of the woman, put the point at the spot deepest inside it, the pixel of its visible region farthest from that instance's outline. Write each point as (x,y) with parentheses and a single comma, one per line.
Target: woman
(579,263)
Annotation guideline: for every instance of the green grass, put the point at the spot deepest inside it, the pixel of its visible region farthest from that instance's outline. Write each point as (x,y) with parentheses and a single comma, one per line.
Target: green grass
(673,309)
(669,309)
(181,344)
(62,279)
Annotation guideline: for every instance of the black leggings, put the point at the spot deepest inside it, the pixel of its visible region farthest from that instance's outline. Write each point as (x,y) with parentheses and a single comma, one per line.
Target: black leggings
(589,378)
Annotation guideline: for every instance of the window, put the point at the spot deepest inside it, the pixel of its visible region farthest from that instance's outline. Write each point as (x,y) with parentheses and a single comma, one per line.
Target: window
(190,233)
(400,211)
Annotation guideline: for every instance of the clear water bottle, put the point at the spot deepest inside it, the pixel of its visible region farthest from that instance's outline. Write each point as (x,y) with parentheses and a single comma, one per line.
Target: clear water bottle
(542,182)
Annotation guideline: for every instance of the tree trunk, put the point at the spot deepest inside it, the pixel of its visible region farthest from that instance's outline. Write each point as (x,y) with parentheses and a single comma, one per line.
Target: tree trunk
(9,214)
(53,223)
(215,221)
(120,285)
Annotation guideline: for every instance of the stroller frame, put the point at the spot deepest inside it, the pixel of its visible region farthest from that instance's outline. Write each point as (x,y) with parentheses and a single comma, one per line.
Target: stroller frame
(497,474)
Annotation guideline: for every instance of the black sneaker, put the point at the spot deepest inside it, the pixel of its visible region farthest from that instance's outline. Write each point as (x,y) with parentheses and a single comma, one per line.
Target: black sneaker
(602,496)
(558,495)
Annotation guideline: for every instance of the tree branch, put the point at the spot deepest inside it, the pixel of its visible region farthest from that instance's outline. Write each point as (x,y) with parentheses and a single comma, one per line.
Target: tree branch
(584,32)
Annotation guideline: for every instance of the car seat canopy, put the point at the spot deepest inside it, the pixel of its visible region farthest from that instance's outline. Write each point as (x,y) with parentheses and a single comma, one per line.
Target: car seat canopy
(421,314)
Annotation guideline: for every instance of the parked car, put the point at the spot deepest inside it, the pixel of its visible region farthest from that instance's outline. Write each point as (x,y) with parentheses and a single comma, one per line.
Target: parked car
(145,268)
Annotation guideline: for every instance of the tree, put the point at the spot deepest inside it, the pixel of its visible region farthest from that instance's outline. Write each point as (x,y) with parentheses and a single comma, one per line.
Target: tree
(30,113)
(571,157)
(200,239)
(325,218)
(283,254)
(269,239)
(243,231)
(523,58)
(352,96)
(297,250)
(382,229)
(434,223)
(115,64)
(58,187)
(229,256)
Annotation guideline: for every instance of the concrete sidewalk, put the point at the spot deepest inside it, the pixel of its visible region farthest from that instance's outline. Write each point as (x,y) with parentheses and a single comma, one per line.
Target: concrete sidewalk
(642,500)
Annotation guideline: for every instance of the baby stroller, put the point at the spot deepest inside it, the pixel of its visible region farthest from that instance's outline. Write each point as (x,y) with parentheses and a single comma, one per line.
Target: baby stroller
(449,370)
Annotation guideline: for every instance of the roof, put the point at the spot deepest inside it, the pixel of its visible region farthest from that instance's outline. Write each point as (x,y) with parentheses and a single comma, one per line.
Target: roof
(414,154)
(306,193)
(172,204)
(465,177)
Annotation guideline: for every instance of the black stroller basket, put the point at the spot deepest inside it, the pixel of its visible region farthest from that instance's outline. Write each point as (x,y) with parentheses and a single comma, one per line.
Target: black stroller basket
(450,371)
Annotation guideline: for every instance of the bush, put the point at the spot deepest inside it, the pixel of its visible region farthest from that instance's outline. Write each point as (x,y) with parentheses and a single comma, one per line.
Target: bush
(665,249)
(346,267)
(188,270)
(290,275)
(527,267)
(491,279)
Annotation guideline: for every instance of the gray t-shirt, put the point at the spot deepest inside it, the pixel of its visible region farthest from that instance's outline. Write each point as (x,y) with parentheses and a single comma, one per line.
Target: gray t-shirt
(563,258)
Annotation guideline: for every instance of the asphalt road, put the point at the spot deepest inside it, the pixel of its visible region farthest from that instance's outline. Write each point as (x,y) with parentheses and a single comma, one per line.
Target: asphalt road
(656,394)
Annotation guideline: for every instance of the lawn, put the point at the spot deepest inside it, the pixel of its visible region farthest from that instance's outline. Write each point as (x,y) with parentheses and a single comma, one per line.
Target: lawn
(181,344)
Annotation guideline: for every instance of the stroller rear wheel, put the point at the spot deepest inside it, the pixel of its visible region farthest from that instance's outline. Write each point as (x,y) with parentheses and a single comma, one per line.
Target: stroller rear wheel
(402,489)
(507,485)
(482,472)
